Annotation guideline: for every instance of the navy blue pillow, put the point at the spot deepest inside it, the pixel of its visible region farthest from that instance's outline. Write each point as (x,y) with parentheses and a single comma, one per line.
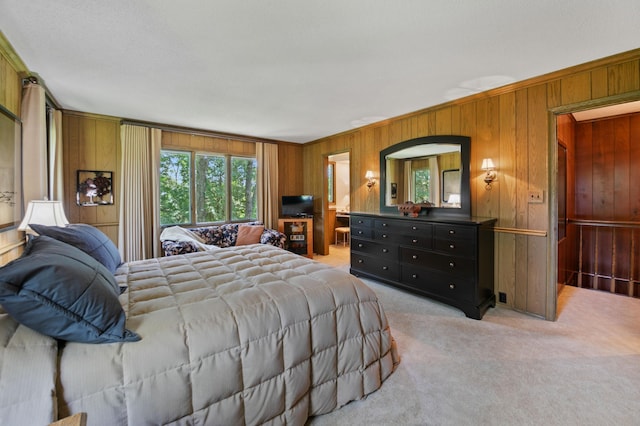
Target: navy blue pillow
(87,238)
(62,292)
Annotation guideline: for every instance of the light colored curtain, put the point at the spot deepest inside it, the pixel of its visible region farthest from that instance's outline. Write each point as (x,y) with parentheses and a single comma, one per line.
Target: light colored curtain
(267,156)
(434,171)
(34,143)
(56,169)
(139,192)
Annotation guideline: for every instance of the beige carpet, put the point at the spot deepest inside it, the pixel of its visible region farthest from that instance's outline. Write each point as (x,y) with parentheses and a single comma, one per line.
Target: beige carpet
(509,368)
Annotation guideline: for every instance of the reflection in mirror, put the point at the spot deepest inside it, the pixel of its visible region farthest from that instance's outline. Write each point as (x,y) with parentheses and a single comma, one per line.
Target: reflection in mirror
(422,172)
(432,171)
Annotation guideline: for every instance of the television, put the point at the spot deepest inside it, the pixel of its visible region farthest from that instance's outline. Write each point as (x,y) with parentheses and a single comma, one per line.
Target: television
(297,205)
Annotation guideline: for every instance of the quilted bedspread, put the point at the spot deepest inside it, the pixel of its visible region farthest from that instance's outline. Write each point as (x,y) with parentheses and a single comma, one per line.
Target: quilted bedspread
(244,335)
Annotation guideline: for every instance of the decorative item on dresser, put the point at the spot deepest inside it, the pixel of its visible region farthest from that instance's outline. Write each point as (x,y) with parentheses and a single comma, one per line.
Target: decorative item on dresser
(446,259)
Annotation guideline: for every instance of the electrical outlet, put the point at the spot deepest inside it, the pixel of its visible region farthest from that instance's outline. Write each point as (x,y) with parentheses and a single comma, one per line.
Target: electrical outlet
(535,196)
(502,297)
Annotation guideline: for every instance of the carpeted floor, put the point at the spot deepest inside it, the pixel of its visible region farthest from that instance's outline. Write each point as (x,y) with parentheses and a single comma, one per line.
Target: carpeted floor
(507,369)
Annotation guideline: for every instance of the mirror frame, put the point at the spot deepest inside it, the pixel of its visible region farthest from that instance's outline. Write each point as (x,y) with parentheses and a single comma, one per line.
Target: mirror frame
(465,162)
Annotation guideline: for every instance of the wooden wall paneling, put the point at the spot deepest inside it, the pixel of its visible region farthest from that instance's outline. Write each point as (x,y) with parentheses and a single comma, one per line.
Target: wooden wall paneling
(621,168)
(634,172)
(443,121)
(505,257)
(603,173)
(583,171)
(575,88)
(538,133)
(423,124)
(108,157)
(487,145)
(599,83)
(290,177)
(554,93)
(521,206)
(468,128)
(623,77)
(86,161)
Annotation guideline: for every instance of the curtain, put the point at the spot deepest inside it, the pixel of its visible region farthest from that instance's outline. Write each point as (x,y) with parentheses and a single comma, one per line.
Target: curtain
(267,156)
(139,191)
(34,144)
(56,170)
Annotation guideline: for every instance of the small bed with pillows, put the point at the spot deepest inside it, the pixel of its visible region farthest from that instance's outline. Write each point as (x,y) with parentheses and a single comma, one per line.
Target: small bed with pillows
(243,335)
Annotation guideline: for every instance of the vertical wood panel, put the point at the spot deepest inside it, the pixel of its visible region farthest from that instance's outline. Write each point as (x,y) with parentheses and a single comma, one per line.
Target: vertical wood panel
(576,88)
(624,77)
(621,163)
(634,171)
(537,126)
(584,171)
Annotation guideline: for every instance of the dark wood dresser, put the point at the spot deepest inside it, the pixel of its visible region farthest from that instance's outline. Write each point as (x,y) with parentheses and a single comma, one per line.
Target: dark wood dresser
(446,259)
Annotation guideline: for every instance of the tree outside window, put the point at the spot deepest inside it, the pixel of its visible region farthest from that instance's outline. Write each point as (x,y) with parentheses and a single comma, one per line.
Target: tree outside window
(224,188)
(422,185)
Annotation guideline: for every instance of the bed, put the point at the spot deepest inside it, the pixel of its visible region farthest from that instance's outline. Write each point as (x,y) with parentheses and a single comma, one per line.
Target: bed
(243,335)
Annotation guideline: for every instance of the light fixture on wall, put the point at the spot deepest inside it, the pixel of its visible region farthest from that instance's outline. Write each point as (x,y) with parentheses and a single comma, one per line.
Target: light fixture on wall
(490,175)
(370,179)
(43,212)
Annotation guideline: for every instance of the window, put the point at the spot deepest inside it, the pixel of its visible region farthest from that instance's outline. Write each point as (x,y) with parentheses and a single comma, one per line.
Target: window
(224,188)
(422,185)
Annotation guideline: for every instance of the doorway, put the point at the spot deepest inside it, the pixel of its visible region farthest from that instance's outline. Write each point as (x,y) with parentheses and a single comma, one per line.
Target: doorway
(597,160)
(337,192)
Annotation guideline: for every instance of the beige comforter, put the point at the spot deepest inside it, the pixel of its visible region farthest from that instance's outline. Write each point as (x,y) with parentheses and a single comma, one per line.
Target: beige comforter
(244,335)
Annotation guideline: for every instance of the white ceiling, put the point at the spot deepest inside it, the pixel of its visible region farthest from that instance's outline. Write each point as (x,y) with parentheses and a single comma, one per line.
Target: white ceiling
(297,70)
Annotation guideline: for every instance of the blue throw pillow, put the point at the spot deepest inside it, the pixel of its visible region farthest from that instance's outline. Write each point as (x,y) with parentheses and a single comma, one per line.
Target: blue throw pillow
(62,292)
(87,238)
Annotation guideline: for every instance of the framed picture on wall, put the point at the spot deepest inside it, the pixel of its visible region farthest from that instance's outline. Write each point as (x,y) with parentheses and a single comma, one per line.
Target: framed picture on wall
(10,170)
(95,188)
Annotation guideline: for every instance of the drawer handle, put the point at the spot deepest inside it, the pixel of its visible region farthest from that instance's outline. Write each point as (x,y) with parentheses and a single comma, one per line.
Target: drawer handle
(384,235)
(360,261)
(452,265)
(384,250)
(360,245)
(360,222)
(452,246)
(452,231)
(415,228)
(385,268)
(414,241)
(384,225)
(414,257)
(452,286)
(414,276)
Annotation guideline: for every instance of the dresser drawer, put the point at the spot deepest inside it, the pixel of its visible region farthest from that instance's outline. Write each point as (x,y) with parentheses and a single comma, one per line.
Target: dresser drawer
(416,240)
(361,232)
(458,266)
(384,251)
(361,222)
(451,287)
(375,266)
(454,232)
(456,246)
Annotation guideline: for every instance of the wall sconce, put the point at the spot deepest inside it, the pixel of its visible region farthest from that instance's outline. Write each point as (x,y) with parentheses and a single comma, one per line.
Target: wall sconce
(490,175)
(370,178)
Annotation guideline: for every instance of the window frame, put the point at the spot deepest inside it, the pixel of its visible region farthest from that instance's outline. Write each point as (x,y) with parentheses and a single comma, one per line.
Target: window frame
(228,157)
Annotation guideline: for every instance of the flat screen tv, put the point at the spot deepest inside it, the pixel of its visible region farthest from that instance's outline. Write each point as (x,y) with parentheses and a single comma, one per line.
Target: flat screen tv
(297,205)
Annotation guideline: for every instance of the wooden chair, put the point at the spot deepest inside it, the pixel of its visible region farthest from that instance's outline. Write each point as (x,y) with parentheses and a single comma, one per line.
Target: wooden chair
(344,231)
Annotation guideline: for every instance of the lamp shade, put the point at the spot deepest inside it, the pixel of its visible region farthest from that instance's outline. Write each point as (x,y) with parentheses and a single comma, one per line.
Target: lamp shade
(454,199)
(487,164)
(43,212)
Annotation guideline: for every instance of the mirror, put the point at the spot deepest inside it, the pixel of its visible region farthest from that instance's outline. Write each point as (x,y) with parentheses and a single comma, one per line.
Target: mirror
(432,170)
